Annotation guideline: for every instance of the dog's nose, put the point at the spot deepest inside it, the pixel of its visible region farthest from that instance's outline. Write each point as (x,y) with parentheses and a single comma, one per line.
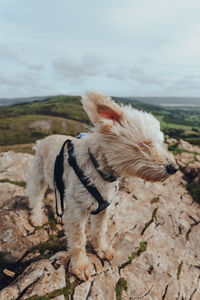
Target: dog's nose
(172,168)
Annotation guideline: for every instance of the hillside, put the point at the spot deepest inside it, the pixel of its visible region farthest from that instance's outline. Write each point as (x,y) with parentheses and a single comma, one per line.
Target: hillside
(26,122)
(159,101)
(11,101)
(170,101)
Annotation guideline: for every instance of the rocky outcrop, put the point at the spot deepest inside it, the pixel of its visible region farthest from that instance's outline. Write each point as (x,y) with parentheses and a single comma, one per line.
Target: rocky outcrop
(14,166)
(188,158)
(154,229)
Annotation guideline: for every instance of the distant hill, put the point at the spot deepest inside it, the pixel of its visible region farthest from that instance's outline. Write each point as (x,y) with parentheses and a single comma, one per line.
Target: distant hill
(11,101)
(27,122)
(169,101)
(158,101)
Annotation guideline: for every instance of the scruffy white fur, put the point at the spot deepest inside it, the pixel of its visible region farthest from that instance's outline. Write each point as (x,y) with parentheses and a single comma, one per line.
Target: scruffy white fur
(125,142)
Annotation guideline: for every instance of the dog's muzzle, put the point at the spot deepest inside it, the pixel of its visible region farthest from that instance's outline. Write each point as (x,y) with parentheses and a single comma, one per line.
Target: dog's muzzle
(172,168)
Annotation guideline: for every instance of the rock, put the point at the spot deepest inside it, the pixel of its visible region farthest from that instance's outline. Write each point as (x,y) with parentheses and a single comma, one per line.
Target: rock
(17,235)
(187,146)
(170,141)
(40,278)
(61,297)
(190,166)
(14,166)
(104,284)
(192,171)
(82,291)
(189,162)
(154,230)
(43,125)
(12,195)
(184,158)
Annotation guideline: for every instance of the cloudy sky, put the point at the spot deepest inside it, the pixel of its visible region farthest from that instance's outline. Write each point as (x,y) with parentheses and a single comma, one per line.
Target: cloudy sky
(119,47)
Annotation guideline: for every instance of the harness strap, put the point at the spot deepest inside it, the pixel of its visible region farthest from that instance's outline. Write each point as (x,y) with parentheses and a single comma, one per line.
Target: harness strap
(59,184)
(58,180)
(106,177)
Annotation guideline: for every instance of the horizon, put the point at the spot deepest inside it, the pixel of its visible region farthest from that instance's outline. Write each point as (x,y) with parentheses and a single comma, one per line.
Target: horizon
(164,101)
(77,95)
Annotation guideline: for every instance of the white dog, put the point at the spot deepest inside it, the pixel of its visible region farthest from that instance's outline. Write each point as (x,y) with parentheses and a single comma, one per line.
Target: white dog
(123,142)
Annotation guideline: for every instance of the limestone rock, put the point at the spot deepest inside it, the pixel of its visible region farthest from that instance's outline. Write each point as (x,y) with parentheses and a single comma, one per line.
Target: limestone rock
(170,141)
(40,278)
(14,165)
(184,159)
(17,235)
(187,146)
(12,195)
(154,230)
(82,291)
(189,161)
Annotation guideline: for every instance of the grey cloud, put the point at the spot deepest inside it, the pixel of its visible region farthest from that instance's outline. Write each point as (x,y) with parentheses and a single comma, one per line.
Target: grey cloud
(142,77)
(10,54)
(77,70)
(186,82)
(35,67)
(20,79)
(135,74)
(186,85)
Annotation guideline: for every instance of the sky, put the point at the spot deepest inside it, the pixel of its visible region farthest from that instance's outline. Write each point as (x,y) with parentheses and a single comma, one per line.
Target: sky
(118,47)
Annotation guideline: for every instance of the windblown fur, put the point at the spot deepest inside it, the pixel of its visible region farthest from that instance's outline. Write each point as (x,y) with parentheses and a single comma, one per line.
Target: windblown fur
(125,142)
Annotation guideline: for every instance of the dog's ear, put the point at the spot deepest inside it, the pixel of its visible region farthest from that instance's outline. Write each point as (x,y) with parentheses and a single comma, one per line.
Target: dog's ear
(100,108)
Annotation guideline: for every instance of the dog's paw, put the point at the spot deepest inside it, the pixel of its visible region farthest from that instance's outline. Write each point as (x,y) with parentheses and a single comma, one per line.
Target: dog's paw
(83,271)
(38,219)
(107,253)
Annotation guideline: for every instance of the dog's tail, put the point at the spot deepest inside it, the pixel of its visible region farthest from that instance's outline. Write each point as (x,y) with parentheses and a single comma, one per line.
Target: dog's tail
(36,146)
(35,183)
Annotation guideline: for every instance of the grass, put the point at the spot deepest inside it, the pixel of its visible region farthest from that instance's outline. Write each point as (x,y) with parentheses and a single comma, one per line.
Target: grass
(179,270)
(22,148)
(15,182)
(194,190)
(65,291)
(63,106)
(193,140)
(155,200)
(177,150)
(134,254)
(26,129)
(153,218)
(165,124)
(120,287)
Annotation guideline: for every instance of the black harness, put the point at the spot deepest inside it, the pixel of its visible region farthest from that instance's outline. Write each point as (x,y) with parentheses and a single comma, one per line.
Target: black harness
(59,184)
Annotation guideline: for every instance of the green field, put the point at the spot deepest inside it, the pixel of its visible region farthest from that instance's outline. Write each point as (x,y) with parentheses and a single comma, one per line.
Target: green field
(27,122)
(23,129)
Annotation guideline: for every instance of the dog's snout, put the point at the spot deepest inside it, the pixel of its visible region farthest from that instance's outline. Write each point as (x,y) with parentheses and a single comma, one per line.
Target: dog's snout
(172,168)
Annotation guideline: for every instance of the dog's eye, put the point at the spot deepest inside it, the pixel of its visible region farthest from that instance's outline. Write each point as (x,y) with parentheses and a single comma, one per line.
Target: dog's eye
(146,147)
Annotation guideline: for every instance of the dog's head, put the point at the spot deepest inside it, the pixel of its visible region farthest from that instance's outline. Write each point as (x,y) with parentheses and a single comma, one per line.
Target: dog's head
(131,140)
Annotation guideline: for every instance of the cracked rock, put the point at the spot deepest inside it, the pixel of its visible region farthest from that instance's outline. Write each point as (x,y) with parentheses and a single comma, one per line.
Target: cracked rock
(17,235)
(40,278)
(158,263)
(14,166)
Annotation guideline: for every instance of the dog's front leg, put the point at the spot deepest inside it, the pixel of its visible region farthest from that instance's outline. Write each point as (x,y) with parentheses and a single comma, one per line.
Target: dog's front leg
(75,222)
(99,224)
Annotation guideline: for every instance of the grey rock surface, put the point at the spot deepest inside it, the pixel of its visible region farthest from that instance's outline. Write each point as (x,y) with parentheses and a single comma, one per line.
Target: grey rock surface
(153,227)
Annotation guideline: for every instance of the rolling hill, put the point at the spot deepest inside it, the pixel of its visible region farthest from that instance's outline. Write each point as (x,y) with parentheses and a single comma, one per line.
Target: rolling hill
(24,123)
